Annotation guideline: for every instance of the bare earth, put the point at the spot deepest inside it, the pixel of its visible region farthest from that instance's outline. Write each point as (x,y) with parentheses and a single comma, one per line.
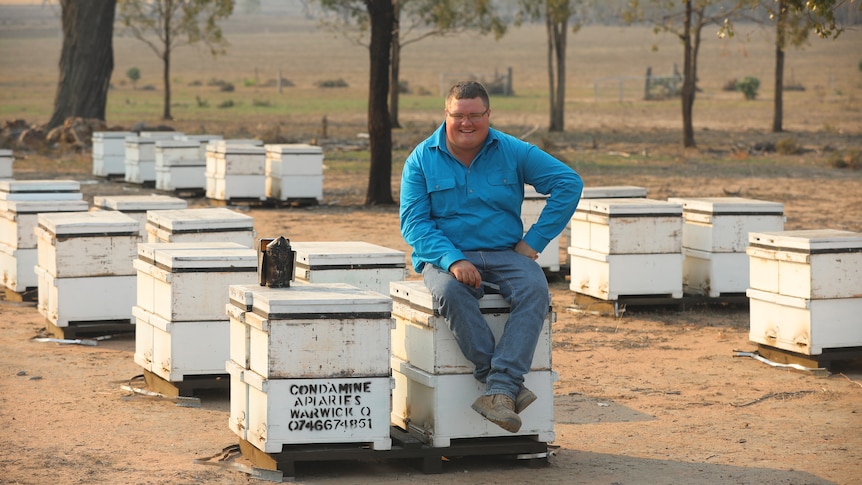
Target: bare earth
(656,396)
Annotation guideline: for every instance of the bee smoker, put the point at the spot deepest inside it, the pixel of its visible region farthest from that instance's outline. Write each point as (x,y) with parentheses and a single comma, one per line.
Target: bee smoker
(275,262)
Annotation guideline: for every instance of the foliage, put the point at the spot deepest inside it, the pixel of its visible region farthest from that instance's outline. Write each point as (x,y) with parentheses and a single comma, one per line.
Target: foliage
(331,83)
(788,146)
(134,74)
(748,86)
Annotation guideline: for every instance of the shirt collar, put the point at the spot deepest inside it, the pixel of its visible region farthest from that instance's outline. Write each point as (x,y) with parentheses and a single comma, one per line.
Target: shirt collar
(438,139)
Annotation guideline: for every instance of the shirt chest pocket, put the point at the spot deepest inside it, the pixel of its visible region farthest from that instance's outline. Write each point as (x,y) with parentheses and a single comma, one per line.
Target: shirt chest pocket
(445,196)
(503,187)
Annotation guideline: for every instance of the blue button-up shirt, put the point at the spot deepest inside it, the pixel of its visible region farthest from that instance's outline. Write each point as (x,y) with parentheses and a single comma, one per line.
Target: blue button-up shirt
(447,207)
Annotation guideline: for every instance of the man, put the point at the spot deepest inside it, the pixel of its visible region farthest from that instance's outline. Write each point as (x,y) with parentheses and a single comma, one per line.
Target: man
(461,196)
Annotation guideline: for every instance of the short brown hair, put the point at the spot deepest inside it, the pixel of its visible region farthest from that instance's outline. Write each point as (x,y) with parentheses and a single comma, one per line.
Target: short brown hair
(469,90)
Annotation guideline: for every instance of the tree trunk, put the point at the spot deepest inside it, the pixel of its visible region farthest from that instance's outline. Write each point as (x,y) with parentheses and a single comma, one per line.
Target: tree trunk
(552,78)
(560,24)
(395,68)
(780,39)
(166,61)
(86,60)
(688,86)
(381,13)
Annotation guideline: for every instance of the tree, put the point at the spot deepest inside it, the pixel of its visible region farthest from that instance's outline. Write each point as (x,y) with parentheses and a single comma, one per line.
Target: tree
(175,23)
(86,60)
(134,74)
(382,16)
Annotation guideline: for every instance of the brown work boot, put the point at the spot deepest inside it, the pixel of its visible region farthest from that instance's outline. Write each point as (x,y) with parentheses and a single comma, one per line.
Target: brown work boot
(500,410)
(525,398)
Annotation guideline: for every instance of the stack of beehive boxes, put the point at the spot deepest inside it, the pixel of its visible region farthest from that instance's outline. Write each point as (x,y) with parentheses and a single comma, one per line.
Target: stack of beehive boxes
(109,153)
(181,328)
(434,383)
(21,201)
(6,160)
(626,247)
(137,206)
(715,237)
(179,165)
(235,171)
(84,267)
(140,161)
(200,225)
(805,290)
(309,364)
(361,264)
(294,171)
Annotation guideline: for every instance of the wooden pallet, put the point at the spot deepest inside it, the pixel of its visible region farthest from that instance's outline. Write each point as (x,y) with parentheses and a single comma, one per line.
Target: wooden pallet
(265,202)
(76,330)
(404,447)
(597,306)
(188,385)
(29,295)
(829,359)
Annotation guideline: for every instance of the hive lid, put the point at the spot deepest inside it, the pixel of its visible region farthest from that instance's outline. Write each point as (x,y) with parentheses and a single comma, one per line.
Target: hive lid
(618,207)
(222,259)
(40,190)
(200,138)
(417,295)
(200,220)
(346,254)
(728,205)
(5,152)
(808,240)
(214,144)
(614,191)
(161,135)
(104,135)
(139,203)
(178,144)
(237,149)
(88,223)
(37,206)
(147,251)
(320,301)
(294,149)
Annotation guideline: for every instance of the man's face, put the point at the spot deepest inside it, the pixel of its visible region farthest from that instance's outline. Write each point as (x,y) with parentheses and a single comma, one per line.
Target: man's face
(467,122)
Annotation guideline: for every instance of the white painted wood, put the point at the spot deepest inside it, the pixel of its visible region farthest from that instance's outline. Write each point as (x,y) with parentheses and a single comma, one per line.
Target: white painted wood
(234,186)
(713,274)
(627,226)
(19,219)
(199,225)
(284,160)
(239,160)
(803,325)
(614,192)
(85,299)
(608,277)
(6,162)
(109,152)
(17,268)
(436,408)
(722,224)
(415,292)
(294,187)
(272,413)
(32,190)
(140,160)
(810,264)
(361,264)
(181,178)
(531,209)
(136,206)
(322,299)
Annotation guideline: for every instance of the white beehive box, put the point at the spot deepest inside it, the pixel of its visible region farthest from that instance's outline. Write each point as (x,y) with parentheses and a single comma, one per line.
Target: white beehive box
(722,224)
(272,413)
(436,408)
(17,268)
(6,161)
(174,350)
(802,325)
(294,171)
(714,274)
(191,284)
(200,225)
(109,152)
(19,219)
(808,264)
(614,192)
(609,276)
(231,187)
(422,338)
(235,159)
(140,162)
(531,209)
(24,190)
(136,206)
(314,331)
(85,299)
(76,244)
(627,226)
(179,165)
(361,264)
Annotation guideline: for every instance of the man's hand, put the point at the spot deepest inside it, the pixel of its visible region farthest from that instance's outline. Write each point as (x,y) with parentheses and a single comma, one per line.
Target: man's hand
(526,250)
(466,273)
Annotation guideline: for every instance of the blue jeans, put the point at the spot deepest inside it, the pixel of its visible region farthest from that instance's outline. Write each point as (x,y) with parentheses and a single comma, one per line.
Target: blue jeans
(522,283)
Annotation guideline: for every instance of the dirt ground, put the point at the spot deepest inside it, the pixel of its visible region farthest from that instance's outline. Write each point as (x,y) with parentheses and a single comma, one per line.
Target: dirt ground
(656,396)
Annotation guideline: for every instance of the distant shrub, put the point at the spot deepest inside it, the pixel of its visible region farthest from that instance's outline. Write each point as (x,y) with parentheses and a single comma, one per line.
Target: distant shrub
(788,146)
(331,83)
(748,87)
(226,88)
(196,82)
(403,87)
(261,103)
(202,103)
(148,87)
(249,83)
(851,159)
(226,104)
(422,91)
(730,85)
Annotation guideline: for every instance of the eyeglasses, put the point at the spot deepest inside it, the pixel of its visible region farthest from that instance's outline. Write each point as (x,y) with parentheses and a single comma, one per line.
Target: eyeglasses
(474,117)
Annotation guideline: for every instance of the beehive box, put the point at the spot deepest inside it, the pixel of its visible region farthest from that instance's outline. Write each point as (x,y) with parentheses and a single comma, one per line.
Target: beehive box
(805,326)
(294,171)
(609,276)
(174,350)
(32,190)
(531,209)
(136,206)
(422,338)
(234,187)
(78,244)
(200,225)
(436,408)
(627,226)
(614,192)
(179,165)
(714,274)
(140,161)
(6,161)
(272,413)
(722,224)
(20,218)
(808,264)
(84,299)
(109,152)
(314,331)
(361,264)
(191,284)
(16,268)
(236,159)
